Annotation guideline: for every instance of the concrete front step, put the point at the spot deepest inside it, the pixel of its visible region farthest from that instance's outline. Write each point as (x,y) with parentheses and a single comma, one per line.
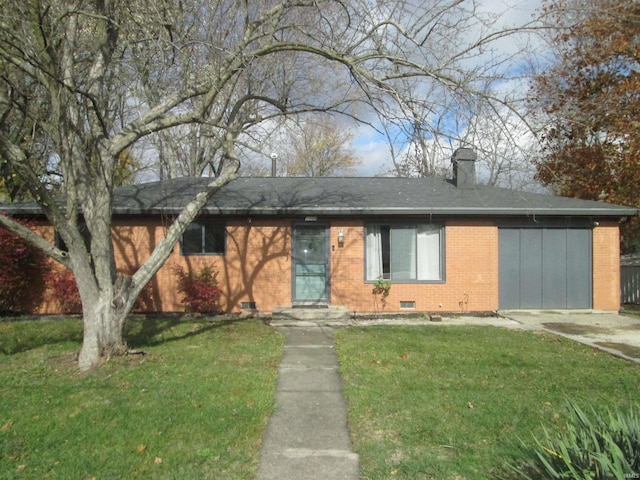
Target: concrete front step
(329,314)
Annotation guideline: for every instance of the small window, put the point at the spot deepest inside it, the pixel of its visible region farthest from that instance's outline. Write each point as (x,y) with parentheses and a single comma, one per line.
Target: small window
(408,305)
(405,253)
(204,238)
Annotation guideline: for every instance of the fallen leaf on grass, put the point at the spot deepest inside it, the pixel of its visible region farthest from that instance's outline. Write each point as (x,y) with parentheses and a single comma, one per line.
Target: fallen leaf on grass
(394,472)
(158,460)
(141,448)
(470,405)
(6,426)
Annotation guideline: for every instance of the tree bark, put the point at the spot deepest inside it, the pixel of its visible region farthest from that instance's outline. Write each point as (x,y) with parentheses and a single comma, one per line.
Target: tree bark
(103,333)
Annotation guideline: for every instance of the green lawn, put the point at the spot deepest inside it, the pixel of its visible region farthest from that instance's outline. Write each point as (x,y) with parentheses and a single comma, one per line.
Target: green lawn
(435,402)
(452,402)
(194,406)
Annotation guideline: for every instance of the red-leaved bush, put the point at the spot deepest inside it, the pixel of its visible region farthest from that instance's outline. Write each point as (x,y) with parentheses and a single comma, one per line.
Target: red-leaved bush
(66,292)
(24,271)
(200,290)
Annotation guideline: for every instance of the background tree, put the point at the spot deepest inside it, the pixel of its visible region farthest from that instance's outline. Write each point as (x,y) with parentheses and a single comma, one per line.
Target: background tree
(591,98)
(420,145)
(436,119)
(504,143)
(502,140)
(84,80)
(316,147)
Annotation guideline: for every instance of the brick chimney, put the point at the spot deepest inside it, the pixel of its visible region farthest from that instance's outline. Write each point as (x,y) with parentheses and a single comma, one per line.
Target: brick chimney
(464,167)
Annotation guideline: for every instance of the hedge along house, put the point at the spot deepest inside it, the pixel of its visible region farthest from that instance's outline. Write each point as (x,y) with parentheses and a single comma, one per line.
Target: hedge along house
(445,245)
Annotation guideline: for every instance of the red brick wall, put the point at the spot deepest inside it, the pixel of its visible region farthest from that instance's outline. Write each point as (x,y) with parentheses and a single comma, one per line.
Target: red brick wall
(606,267)
(471,272)
(257,267)
(258,264)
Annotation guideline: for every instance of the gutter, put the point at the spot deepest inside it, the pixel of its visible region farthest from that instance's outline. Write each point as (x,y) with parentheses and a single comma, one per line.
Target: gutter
(613,211)
(444,211)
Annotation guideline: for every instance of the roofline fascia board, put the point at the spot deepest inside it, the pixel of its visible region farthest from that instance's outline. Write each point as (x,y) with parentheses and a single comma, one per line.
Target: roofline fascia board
(341,211)
(595,212)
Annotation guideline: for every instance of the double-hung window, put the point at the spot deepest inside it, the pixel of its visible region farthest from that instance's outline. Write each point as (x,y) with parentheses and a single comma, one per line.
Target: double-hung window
(204,237)
(405,252)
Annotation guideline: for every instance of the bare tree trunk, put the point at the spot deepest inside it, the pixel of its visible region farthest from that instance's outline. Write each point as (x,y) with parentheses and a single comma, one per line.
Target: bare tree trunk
(103,333)
(104,314)
(107,299)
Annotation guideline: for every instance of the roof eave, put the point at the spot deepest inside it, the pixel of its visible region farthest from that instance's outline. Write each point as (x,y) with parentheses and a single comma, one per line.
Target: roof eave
(446,211)
(341,211)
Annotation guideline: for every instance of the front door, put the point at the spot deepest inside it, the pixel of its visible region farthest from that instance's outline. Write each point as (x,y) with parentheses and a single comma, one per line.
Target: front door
(310,264)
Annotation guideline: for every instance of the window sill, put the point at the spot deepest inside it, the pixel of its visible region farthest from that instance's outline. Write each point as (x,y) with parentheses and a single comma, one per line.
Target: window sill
(407,282)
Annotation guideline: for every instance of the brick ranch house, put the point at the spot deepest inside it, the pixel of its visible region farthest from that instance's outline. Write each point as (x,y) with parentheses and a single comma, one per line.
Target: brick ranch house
(445,245)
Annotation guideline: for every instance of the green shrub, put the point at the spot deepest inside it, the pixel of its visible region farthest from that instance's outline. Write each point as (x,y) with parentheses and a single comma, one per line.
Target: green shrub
(592,446)
(382,287)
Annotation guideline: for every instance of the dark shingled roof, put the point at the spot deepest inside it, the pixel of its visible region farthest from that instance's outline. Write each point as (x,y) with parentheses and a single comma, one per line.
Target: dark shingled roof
(354,196)
(346,196)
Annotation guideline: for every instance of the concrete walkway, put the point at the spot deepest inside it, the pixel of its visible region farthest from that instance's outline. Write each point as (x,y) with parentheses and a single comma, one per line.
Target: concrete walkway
(307,437)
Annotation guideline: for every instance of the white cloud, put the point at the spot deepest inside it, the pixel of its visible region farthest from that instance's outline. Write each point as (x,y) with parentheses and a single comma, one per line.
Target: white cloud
(511,12)
(375,156)
(373,150)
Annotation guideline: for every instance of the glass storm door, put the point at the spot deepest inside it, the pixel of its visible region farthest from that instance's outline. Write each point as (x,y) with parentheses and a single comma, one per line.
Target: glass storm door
(310,263)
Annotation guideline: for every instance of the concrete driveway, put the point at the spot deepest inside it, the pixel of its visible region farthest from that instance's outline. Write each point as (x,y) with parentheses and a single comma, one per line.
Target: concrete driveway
(616,334)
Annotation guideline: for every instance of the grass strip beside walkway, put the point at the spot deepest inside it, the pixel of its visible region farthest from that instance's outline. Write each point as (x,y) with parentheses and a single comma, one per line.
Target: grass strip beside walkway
(453,402)
(194,405)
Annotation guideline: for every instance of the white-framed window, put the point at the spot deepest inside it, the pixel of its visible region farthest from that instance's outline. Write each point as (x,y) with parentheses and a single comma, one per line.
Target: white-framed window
(204,237)
(404,252)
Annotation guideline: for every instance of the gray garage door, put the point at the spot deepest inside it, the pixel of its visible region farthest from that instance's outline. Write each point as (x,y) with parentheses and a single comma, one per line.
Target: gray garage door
(545,268)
